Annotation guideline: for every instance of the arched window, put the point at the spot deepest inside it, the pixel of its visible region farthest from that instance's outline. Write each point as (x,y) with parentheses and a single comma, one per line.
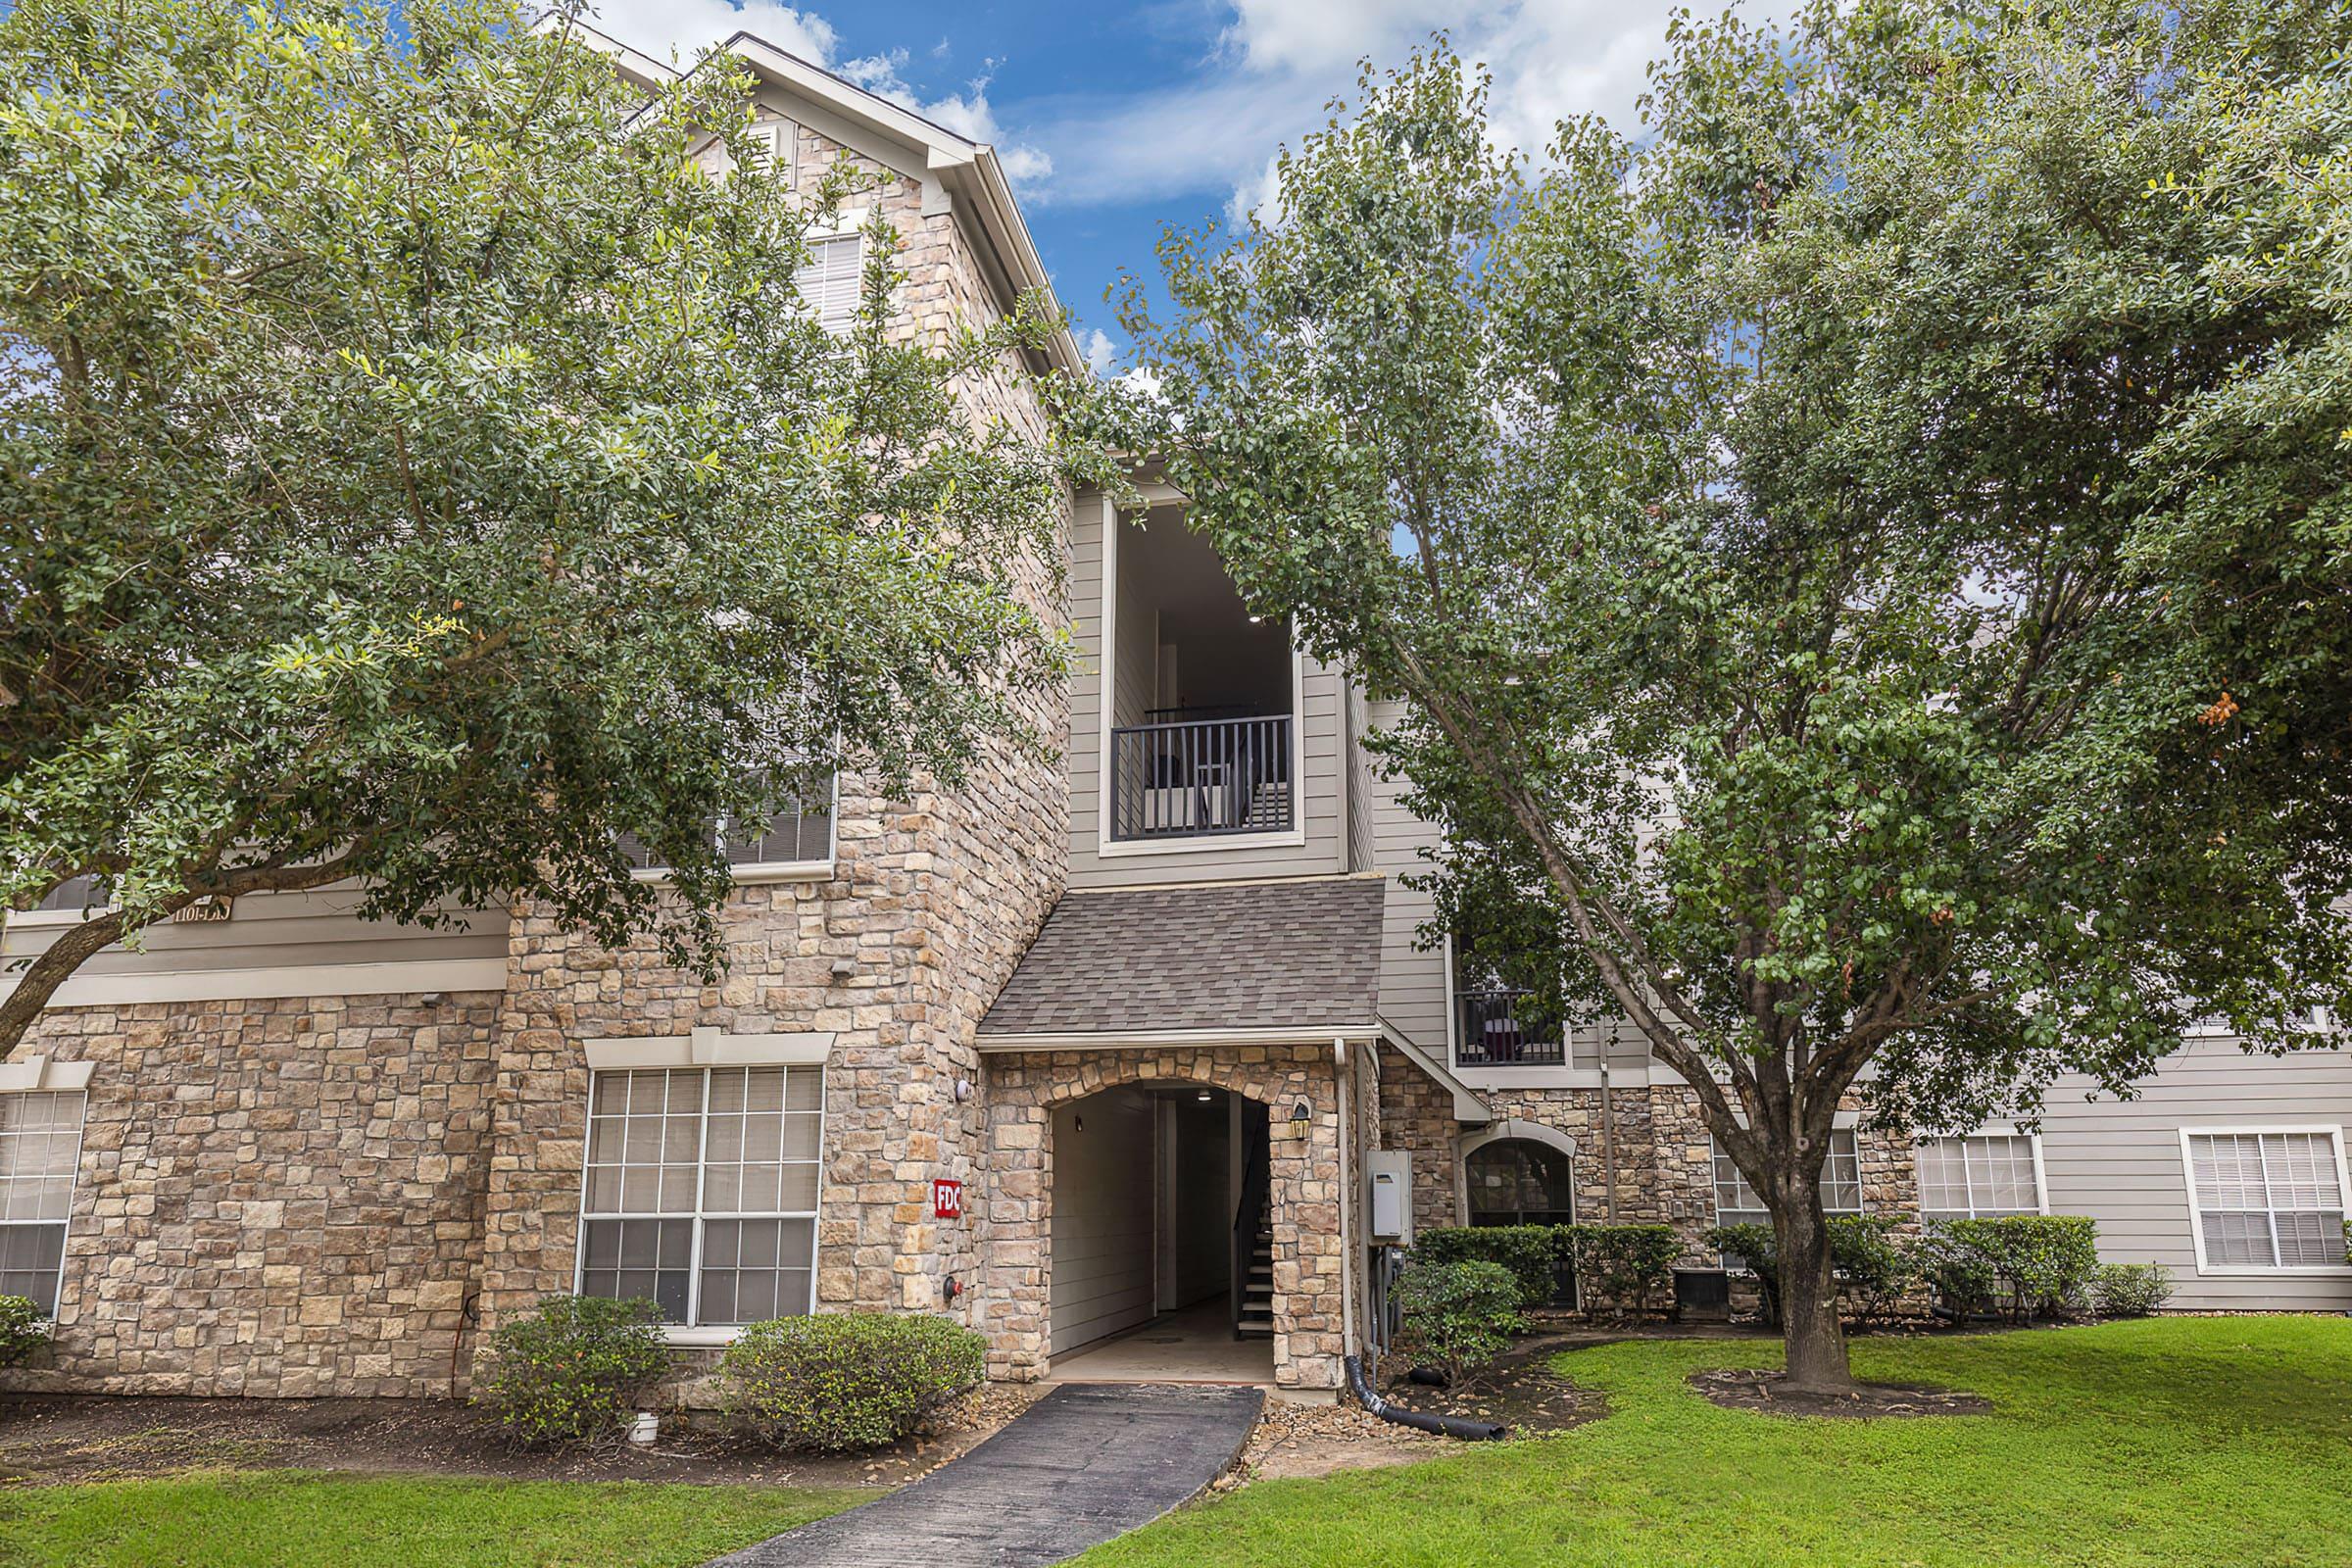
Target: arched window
(1517,1181)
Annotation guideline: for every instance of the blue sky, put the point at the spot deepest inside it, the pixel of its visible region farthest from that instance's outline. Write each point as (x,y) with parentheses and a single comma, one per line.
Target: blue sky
(1118,116)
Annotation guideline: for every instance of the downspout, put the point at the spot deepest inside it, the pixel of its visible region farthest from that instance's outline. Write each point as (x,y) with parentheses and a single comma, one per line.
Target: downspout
(1609,1137)
(1357,1383)
(1343,1078)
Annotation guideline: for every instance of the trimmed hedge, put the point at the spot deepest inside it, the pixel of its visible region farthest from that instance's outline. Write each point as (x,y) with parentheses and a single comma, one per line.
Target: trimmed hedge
(1873,1266)
(1457,1314)
(1530,1254)
(1629,1268)
(2023,1265)
(1619,1268)
(568,1375)
(838,1381)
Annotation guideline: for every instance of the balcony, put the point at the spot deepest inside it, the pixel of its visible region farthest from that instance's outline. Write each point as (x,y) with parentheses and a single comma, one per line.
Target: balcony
(1179,778)
(1496,1028)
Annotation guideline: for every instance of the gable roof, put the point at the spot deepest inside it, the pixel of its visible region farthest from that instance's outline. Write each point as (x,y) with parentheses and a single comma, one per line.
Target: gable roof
(1253,957)
(966,173)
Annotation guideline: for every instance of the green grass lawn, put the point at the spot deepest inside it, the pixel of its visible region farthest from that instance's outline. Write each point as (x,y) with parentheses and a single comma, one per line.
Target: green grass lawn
(2186,1443)
(293,1519)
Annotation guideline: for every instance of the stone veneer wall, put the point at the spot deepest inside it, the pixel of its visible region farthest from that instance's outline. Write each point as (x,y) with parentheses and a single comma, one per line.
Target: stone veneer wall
(1685,1158)
(276,1197)
(1416,1116)
(1015,1205)
(931,901)
(1577,1113)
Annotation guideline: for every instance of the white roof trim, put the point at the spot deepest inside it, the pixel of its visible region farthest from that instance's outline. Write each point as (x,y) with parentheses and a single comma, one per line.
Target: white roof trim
(629,62)
(951,162)
(1143,1039)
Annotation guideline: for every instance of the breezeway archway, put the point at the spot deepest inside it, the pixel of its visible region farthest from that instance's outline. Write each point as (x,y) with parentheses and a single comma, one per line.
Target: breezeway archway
(1084,1146)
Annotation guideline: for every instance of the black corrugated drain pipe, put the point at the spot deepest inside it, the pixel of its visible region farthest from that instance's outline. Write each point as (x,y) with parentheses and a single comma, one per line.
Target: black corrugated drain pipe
(1451,1426)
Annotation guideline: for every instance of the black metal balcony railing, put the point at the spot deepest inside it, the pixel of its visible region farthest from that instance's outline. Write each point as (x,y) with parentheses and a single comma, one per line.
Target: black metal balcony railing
(1195,779)
(1495,1029)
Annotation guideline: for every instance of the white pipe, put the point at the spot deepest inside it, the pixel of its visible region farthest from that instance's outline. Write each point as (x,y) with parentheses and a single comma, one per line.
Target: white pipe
(1341,1078)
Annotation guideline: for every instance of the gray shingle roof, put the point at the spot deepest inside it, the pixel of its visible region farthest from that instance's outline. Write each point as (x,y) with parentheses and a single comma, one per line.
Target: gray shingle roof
(1252,955)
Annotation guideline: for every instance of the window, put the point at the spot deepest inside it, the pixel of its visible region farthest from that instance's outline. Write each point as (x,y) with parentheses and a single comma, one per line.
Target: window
(831,281)
(701,1194)
(40,1148)
(2267,1200)
(1517,1181)
(1736,1203)
(1977,1177)
(799,834)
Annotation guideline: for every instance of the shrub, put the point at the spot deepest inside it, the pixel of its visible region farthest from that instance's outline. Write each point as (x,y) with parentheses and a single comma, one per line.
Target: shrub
(843,1381)
(1456,1316)
(20,1329)
(1959,1272)
(1874,1268)
(2131,1289)
(570,1374)
(2031,1265)
(1531,1252)
(1623,1270)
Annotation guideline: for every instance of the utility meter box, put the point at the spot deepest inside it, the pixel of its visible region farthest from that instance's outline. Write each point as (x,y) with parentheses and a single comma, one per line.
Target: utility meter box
(1389,1173)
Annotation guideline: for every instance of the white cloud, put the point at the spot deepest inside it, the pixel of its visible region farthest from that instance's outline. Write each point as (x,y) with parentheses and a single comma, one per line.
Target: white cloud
(685,27)
(1283,60)
(1100,351)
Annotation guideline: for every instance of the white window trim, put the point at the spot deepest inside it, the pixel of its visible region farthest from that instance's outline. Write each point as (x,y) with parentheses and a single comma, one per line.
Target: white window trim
(2331,1131)
(1107,848)
(755,873)
(701,1334)
(1991,1129)
(64,1077)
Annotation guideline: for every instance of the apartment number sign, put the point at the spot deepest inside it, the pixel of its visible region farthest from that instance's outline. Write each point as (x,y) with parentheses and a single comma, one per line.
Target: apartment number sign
(946,1199)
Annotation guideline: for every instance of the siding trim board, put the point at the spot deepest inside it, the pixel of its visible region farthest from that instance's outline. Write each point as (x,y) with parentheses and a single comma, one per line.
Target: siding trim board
(292,980)
(2332,1132)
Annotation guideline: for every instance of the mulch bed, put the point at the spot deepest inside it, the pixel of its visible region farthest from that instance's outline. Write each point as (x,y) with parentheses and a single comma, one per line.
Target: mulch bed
(54,1439)
(1520,1391)
(1767,1393)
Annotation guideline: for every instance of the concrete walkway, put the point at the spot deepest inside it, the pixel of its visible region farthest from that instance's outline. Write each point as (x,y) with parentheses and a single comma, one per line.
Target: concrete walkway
(1086,1462)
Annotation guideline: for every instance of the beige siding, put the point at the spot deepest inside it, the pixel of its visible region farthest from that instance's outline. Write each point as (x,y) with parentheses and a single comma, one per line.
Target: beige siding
(1412,979)
(2120,1161)
(1322,793)
(1358,802)
(1135,674)
(1102,1229)
(274,931)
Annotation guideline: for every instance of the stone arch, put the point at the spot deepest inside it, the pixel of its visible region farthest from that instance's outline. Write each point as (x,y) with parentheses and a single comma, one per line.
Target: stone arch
(1534,1132)
(1025,1088)
(1516,1130)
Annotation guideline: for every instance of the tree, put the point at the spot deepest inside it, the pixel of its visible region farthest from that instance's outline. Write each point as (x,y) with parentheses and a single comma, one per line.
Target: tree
(413,471)
(1846,632)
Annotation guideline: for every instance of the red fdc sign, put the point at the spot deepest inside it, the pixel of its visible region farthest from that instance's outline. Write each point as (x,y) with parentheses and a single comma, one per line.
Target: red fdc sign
(946,1199)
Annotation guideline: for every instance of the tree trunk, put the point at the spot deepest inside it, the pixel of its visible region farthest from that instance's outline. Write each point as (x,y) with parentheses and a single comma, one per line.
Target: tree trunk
(1809,1326)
